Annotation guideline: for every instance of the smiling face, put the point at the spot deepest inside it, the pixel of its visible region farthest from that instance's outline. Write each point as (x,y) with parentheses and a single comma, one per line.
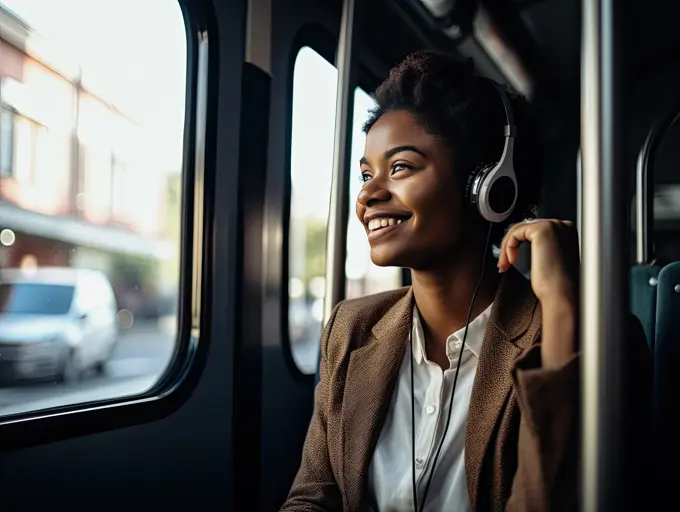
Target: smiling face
(411,202)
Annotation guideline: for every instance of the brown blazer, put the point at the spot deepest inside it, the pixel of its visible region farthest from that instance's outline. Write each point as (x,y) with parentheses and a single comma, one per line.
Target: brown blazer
(521,448)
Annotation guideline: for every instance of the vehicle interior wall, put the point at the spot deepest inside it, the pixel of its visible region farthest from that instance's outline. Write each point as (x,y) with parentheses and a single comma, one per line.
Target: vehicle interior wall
(653,71)
(187,453)
(653,98)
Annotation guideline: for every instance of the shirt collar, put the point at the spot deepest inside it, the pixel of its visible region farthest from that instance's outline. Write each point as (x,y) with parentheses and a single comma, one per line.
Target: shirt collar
(473,342)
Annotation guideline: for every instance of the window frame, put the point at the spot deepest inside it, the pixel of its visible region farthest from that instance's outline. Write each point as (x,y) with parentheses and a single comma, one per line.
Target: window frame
(324,43)
(313,38)
(181,377)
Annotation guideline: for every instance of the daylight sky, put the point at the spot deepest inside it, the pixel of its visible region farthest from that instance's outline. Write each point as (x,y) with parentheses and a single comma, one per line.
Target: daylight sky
(132,51)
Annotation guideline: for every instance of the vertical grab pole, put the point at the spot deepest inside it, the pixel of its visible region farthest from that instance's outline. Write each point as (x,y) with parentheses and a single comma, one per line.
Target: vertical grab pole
(579,197)
(336,242)
(603,285)
(644,199)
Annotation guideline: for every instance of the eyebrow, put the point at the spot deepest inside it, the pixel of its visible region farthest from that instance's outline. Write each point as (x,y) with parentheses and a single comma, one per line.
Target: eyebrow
(393,151)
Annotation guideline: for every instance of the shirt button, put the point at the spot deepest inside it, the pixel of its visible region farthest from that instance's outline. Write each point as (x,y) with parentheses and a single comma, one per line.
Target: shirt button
(457,344)
(419,462)
(430,409)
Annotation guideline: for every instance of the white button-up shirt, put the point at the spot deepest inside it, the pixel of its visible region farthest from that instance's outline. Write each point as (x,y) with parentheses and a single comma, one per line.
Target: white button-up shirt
(390,473)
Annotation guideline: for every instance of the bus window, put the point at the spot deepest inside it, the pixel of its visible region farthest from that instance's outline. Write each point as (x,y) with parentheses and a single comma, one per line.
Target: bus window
(363,277)
(311,170)
(91,137)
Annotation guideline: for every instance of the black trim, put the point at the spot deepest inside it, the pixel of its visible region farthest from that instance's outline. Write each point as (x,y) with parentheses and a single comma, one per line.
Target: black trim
(175,387)
(253,144)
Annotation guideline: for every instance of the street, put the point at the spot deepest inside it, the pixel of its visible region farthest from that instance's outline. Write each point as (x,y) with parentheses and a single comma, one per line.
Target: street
(141,356)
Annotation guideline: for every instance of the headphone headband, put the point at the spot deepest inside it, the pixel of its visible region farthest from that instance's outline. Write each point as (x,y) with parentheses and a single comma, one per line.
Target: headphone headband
(509,117)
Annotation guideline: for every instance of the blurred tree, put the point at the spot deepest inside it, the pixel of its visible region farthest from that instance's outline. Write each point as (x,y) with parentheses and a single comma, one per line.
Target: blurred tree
(315,249)
(172,230)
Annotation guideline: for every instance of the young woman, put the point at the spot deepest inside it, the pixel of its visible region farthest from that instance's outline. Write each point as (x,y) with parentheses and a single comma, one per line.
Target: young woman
(459,392)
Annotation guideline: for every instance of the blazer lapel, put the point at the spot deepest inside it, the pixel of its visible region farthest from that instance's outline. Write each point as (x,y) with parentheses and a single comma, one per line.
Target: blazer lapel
(371,376)
(504,340)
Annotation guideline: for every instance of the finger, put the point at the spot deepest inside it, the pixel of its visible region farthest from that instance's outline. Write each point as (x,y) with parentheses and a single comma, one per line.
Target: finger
(522,232)
(503,261)
(512,245)
(502,258)
(518,227)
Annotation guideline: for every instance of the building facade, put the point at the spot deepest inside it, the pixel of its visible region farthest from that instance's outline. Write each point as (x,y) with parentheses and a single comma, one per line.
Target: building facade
(79,185)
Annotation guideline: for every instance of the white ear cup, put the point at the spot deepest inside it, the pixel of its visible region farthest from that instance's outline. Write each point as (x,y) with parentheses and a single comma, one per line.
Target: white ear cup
(496,190)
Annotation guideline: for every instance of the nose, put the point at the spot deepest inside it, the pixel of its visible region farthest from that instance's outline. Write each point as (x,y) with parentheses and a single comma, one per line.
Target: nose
(373,192)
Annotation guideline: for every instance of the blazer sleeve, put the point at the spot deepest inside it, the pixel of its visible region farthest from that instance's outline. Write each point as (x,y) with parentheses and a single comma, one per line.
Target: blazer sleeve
(548,475)
(315,488)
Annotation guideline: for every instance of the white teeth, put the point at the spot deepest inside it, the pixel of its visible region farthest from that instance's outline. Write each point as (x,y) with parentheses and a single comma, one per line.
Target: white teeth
(383,222)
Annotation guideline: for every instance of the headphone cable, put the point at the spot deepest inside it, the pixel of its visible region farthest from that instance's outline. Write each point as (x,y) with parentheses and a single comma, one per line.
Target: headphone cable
(453,391)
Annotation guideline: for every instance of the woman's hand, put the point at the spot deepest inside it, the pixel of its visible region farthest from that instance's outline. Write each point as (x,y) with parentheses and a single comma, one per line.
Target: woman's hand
(555,262)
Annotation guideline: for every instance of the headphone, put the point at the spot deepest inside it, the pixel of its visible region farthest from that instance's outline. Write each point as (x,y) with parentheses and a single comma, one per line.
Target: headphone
(492,189)
(492,192)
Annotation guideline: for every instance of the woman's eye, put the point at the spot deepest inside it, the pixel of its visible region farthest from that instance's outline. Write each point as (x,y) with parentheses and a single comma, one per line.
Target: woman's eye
(399,167)
(364,177)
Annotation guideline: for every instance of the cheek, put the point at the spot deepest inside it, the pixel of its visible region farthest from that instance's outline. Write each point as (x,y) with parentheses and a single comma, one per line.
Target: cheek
(440,217)
(433,204)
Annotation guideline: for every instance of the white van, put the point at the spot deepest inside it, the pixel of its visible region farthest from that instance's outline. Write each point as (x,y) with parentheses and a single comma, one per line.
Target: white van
(55,323)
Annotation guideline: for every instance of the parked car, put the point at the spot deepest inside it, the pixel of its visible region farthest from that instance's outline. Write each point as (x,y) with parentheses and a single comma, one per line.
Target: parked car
(55,323)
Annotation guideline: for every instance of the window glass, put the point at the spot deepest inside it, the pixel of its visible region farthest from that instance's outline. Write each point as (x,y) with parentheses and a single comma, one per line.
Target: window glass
(363,277)
(311,171)
(91,135)
(314,102)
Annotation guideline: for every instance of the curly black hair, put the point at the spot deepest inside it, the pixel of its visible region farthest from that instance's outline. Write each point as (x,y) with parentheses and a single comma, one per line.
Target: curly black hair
(450,101)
